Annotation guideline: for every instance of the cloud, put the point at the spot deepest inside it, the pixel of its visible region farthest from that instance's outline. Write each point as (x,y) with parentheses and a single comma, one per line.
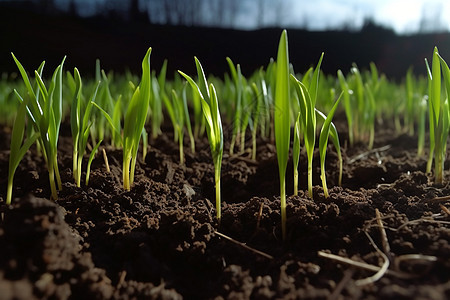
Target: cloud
(325,14)
(401,15)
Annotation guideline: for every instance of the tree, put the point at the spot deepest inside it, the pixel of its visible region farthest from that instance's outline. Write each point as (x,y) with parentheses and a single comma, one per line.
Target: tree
(431,19)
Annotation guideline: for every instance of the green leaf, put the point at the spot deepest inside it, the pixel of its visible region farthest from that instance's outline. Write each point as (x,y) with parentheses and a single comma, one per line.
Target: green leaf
(17,150)
(282,120)
(25,78)
(314,85)
(214,125)
(446,73)
(296,151)
(110,121)
(187,119)
(75,107)
(281,114)
(17,132)
(202,83)
(88,108)
(162,76)
(335,140)
(232,70)
(435,96)
(323,140)
(170,109)
(91,158)
(58,96)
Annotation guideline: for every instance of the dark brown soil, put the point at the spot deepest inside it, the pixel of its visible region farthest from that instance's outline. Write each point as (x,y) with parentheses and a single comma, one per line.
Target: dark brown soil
(161,239)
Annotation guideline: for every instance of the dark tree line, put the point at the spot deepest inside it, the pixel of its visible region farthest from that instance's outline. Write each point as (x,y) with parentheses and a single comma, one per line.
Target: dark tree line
(220,13)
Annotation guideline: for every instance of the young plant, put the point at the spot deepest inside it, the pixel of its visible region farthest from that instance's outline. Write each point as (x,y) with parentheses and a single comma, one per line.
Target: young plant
(113,106)
(175,109)
(80,125)
(134,121)
(91,158)
(370,113)
(307,102)
(158,91)
(237,120)
(422,110)
(256,116)
(348,107)
(327,129)
(248,106)
(415,110)
(439,115)
(98,129)
(410,111)
(282,120)
(199,120)
(187,119)
(45,112)
(442,123)
(296,151)
(18,149)
(210,107)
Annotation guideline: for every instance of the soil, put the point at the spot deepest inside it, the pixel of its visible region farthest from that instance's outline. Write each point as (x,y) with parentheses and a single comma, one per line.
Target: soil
(161,240)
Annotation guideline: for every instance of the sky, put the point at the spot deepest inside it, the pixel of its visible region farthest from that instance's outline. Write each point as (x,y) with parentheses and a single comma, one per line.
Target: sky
(404,16)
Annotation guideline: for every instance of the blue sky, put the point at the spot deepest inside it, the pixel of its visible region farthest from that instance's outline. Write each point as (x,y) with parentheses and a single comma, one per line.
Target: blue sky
(404,16)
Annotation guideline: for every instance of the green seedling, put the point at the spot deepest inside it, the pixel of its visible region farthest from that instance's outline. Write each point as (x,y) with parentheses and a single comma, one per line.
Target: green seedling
(296,151)
(327,129)
(307,102)
(158,90)
(91,158)
(410,102)
(80,126)
(45,112)
(18,149)
(256,116)
(98,128)
(422,111)
(281,120)
(175,109)
(439,116)
(348,107)
(134,121)
(442,123)
(210,108)
(187,119)
(238,106)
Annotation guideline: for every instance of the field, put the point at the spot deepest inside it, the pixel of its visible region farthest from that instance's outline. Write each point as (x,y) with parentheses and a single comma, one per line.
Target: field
(165,232)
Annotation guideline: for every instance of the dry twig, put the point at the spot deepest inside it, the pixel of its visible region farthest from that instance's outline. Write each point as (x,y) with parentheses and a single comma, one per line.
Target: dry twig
(105,158)
(380,273)
(122,276)
(384,269)
(243,245)
(384,239)
(445,209)
(367,153)
(438,199)
(363,265)
(258,221)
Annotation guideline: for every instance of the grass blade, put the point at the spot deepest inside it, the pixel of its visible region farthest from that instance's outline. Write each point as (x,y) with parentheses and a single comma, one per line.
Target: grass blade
(281,120)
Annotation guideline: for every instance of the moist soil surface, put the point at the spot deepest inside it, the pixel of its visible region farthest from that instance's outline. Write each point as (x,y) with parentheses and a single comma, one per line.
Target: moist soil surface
(383,234)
